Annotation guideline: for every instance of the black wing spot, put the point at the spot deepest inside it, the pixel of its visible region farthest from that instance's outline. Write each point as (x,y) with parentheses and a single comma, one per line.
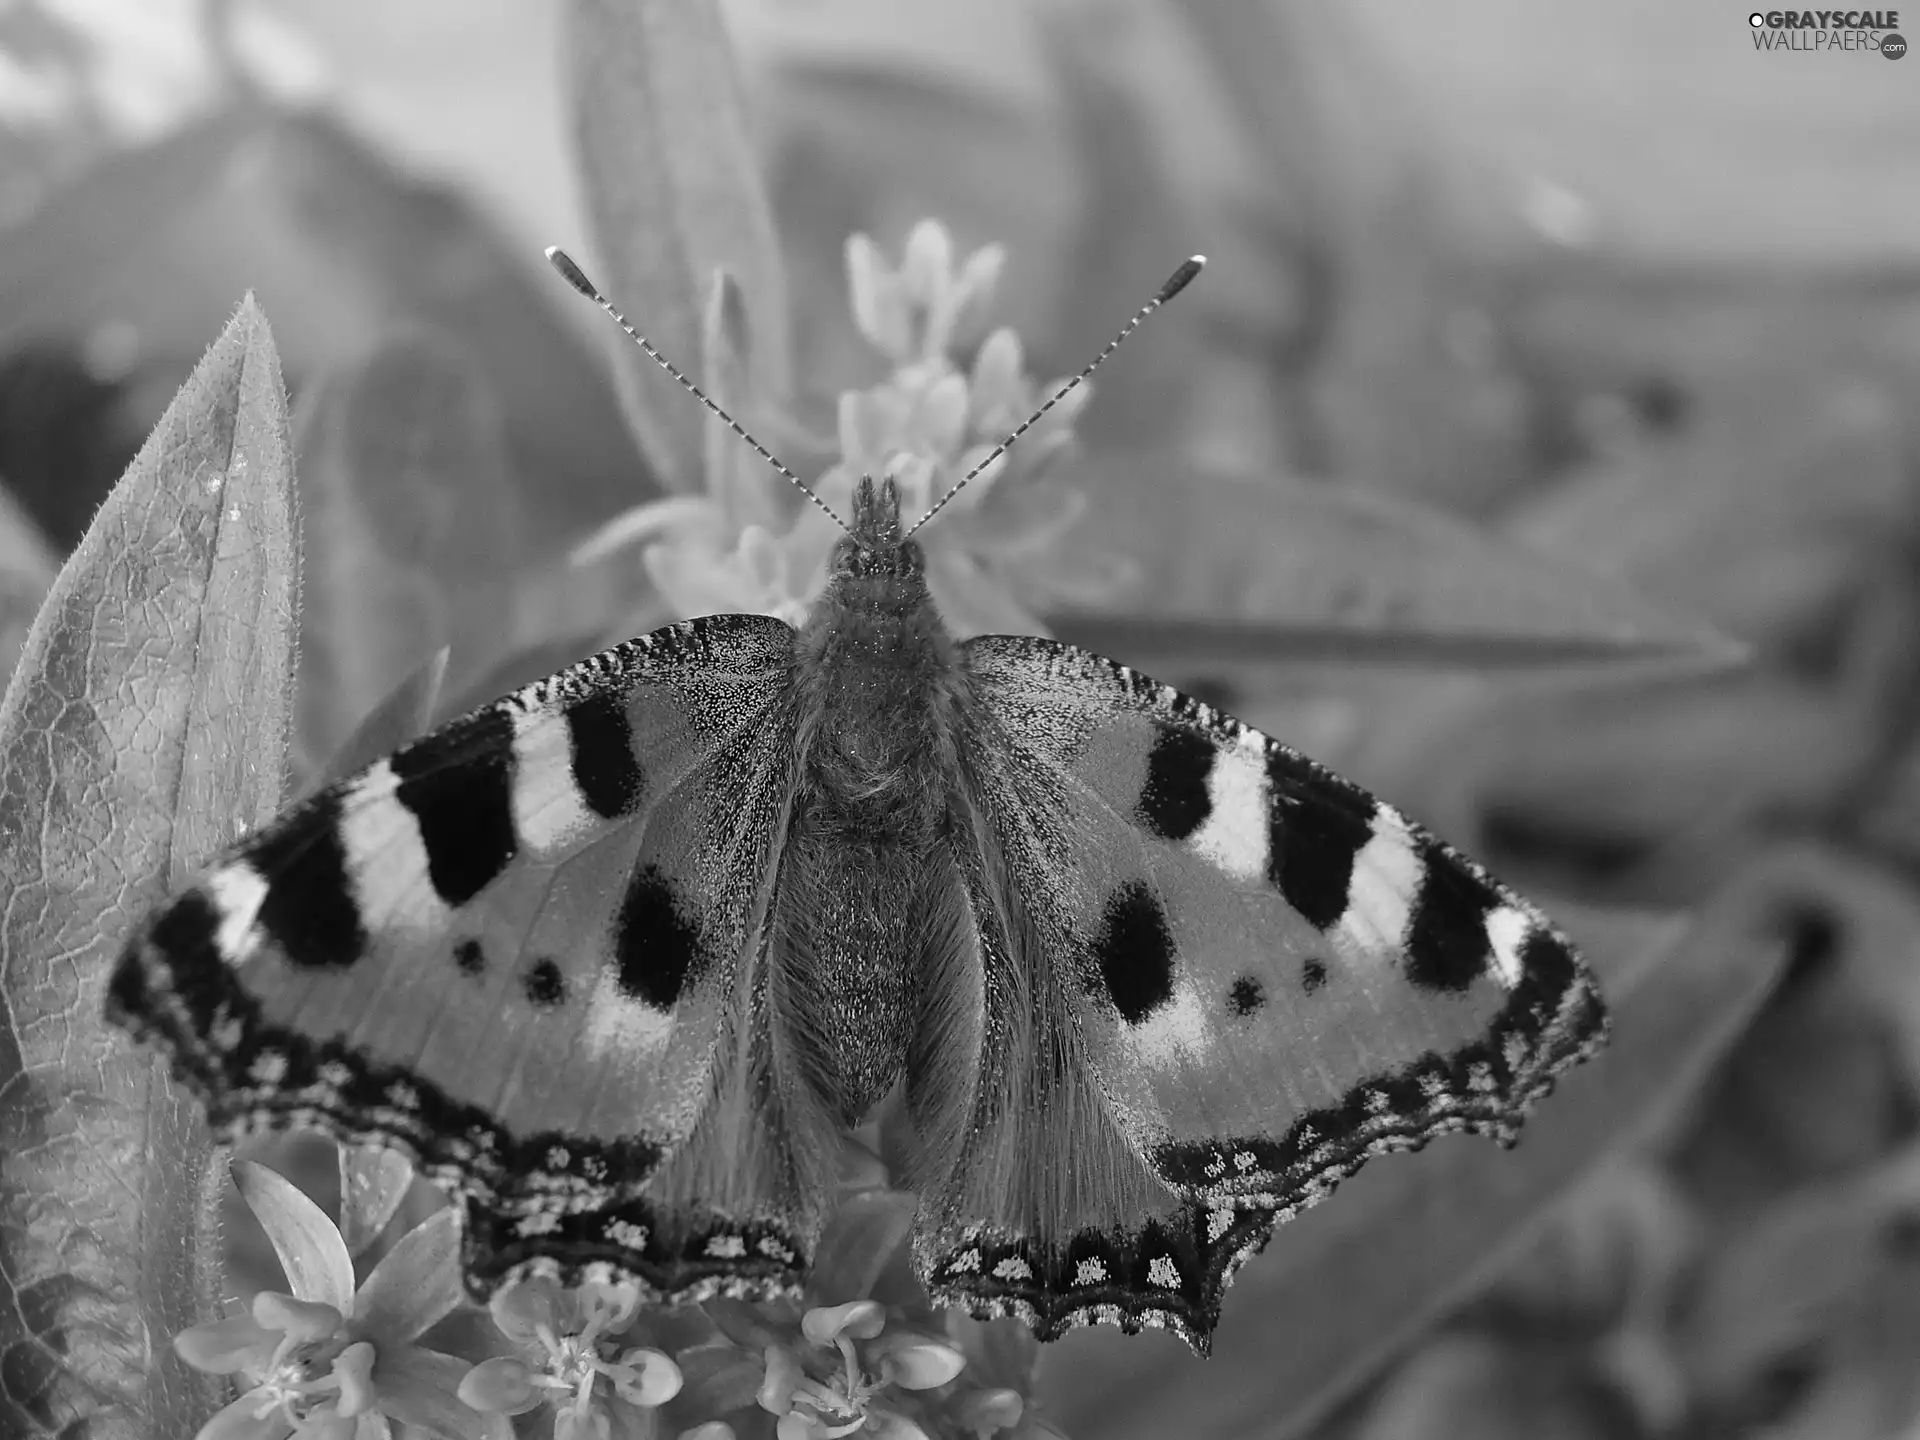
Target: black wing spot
(458,782)
(1317,825)
(1313,973)
(468,958)
(1134,951)
(1247,996)
(1447,943)
(600,743)
(655,947)
(309,909)
(1174,802)
(188,935)
(546,987)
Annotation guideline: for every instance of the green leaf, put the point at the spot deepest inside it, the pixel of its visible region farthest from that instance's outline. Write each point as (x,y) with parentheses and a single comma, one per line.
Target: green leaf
(145,727)
(1000,1353)
(1681,777)
(417,1387)
(1243,571)
(312,1254)
(860,1238)
(373,1182)
(1465,1383)
(1343,1288)
(737,477)
(1777,503)
(674,191)
(416,1284)
(750,1326)
(719,1379)
(411,527)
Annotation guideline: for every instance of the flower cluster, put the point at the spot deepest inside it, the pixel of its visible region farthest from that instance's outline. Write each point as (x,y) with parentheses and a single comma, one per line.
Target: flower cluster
(335,1362)
(331,1361)
(848,1394)
(929,424)
(570,1362)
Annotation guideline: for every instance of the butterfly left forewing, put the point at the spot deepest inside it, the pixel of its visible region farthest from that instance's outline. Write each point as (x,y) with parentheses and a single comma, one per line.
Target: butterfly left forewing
(521,950)
(1270,975)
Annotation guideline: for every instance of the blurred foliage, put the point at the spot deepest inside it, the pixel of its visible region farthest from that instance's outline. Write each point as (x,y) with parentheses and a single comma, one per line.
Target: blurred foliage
(1711,1230)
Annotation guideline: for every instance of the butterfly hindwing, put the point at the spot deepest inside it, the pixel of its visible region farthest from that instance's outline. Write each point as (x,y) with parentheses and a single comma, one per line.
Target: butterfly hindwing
(1249,977)
(513,950)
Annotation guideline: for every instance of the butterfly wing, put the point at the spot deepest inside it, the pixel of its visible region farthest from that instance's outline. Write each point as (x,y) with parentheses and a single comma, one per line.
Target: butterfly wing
(520,950)
(1228,978)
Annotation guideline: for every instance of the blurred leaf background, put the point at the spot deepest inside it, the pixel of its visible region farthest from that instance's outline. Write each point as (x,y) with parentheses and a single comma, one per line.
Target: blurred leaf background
(1551,358)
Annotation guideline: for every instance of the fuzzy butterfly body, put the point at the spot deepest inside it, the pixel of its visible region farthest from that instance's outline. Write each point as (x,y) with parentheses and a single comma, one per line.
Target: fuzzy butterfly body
(619,957)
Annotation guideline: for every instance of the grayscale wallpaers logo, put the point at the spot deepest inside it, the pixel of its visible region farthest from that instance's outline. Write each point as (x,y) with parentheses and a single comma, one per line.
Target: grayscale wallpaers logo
(1866,30)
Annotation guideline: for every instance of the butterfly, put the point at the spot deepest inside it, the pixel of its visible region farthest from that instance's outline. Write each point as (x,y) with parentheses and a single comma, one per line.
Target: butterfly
(620,958)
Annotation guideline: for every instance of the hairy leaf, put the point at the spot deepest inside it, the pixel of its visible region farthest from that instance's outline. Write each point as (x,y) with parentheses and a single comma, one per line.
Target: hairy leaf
(145,726)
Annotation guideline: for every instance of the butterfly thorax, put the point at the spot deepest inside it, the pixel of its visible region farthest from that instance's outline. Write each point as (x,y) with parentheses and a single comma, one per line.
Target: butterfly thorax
(876,668)
(877,695)
(877,678)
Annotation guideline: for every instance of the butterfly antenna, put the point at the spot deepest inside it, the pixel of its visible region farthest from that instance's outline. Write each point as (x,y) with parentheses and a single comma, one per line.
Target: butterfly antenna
(1176,282)
(577,278)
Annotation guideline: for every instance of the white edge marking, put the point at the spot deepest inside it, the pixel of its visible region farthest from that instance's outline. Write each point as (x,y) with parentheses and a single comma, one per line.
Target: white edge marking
(1177,1034)
(238,891)
(617,1024)
(1507,932)
(549,812)
(1386,877)
(386,858)
(1234,836)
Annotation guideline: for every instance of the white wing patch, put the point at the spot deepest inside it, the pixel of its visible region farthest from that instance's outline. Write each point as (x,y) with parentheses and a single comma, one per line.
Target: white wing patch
(1386,878)
(386,857)
(1507,932)
(1177,1034)
(616,1023)
(1234,836)
(549,812)
(238,891)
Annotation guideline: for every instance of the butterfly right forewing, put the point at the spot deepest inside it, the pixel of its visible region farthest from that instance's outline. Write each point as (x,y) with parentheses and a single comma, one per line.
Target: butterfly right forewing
(514,950)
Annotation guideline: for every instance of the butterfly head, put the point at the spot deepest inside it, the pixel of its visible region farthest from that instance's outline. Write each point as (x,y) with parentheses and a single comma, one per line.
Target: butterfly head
(875,547)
